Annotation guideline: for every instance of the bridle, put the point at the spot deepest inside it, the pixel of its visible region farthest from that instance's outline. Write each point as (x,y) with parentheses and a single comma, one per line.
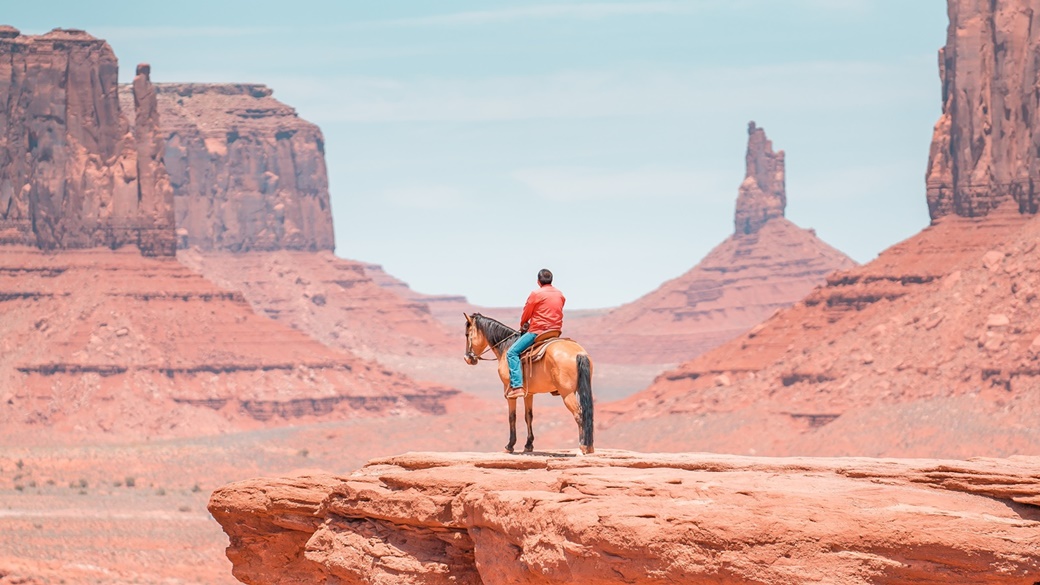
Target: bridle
(469,348)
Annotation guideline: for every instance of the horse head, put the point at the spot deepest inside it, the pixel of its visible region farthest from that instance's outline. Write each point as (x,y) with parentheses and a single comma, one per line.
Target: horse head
(476,343)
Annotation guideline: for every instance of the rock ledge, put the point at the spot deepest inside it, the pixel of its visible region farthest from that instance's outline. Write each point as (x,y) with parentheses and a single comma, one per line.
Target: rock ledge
(636,518)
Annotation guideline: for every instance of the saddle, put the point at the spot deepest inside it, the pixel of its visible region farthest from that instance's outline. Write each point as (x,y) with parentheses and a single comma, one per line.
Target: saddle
(537,351)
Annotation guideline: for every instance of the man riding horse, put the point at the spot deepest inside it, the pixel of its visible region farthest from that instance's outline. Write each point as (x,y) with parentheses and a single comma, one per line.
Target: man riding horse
(543,313)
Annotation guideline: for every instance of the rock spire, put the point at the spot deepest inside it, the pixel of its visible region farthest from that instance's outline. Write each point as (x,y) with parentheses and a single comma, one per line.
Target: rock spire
(763,194)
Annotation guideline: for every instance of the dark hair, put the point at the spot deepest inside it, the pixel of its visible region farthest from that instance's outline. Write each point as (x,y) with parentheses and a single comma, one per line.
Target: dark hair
(544,276)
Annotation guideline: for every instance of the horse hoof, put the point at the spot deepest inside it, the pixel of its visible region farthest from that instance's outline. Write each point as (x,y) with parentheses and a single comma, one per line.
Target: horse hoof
(508,450)
(529,450)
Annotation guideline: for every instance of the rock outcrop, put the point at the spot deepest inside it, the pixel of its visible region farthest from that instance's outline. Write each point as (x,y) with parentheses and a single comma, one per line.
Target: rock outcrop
(633,518)
(247,172)
(72,175)
(767,264)
(986,149)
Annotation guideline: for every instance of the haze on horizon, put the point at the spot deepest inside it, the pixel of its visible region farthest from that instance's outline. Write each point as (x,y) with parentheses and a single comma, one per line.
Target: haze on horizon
(471,144)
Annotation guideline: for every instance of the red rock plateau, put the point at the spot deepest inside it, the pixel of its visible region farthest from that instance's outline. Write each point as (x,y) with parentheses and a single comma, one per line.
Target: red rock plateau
(767,264)
(632,518)
(932,349)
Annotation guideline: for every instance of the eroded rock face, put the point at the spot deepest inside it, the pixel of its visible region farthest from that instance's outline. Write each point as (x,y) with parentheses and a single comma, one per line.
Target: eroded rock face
(986,150)
(72,175)
(247,172)
(767,264)
(633,518)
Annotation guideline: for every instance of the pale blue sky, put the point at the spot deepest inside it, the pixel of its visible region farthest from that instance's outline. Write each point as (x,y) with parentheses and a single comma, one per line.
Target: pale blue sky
(471,143)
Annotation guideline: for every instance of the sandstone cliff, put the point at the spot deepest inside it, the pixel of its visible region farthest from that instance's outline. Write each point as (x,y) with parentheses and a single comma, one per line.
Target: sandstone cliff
(626,517)
(986,149)
(247,172)
(767,264)
(72,175)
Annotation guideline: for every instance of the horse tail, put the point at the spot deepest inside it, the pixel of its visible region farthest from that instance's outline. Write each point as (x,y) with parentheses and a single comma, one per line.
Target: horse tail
(585,398)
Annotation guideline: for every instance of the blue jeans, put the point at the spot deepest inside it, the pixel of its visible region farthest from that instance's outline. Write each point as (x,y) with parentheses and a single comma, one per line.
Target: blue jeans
(516,375)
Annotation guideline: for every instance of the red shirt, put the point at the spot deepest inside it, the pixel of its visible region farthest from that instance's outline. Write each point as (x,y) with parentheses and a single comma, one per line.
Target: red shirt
(544,310)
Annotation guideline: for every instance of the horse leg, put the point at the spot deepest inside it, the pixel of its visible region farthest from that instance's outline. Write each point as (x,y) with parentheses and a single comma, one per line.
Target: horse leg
(512,425)
(529,419)
(570,400)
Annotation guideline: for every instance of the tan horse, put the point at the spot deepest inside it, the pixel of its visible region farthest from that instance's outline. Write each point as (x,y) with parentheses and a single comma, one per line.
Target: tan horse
(565,369)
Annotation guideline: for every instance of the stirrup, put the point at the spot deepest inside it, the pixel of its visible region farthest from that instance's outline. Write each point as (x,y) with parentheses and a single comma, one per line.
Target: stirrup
(515,393)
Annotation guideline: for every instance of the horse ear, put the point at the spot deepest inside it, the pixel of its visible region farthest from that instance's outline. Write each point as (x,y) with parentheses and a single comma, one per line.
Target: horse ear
(468,319)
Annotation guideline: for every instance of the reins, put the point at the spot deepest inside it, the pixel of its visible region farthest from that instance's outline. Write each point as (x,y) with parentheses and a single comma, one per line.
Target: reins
(492,349)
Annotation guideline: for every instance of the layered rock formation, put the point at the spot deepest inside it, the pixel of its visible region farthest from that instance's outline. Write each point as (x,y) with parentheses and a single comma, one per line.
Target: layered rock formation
(247,172)
(768,263)
(72,175)
(626,517)
(113,342)
(986,150)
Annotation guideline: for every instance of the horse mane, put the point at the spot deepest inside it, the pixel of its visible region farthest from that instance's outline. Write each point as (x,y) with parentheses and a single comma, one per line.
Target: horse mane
(498,334)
